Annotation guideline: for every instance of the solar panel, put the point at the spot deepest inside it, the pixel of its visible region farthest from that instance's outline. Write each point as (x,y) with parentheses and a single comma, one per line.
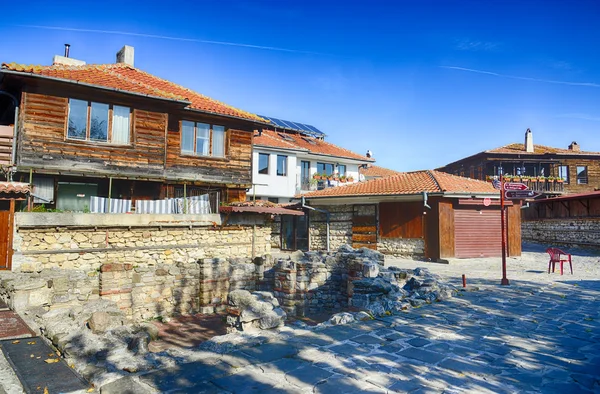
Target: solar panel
(289,125)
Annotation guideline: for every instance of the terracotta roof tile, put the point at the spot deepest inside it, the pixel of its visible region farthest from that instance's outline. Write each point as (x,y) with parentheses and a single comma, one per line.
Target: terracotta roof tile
(296,141)
(130,79)
(376,171)
(405,183)
(517,148)
(14,188)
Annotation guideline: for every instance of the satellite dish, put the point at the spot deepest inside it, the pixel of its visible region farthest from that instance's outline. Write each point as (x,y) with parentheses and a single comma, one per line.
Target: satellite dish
(369,153)
(361,177)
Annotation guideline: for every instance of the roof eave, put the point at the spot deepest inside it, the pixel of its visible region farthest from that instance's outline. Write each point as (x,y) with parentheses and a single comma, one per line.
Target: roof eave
(254,121)
(89,85)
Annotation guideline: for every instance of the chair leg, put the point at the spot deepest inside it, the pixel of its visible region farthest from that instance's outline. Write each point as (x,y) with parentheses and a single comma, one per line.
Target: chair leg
(571,265)
(561,267)
(549,264)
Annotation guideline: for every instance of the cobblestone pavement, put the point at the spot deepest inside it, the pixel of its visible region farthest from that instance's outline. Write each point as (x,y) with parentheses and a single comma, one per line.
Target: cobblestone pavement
(541,334)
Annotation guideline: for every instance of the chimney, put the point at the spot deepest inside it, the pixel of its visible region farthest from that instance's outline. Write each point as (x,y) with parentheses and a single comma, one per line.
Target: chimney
(125,55)
(66,60)
(529,141)
(574,146)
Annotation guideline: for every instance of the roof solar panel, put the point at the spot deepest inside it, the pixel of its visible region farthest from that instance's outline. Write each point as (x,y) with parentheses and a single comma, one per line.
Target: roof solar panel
(289,125)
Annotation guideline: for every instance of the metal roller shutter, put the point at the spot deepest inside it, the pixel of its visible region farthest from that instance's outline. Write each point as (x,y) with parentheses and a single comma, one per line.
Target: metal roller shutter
(477,233)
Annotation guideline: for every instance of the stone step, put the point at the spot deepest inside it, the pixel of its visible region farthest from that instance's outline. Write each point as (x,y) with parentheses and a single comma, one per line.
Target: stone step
(13,327)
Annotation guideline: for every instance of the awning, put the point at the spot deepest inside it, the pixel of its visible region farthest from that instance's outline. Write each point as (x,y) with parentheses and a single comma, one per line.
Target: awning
(257,209)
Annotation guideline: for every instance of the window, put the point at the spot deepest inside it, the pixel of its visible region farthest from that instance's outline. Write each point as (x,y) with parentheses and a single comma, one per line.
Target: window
(341,169)
(263,163)
(325,168)
(202,139)
(563,173)
(582,175)
(281,165)
(91,121)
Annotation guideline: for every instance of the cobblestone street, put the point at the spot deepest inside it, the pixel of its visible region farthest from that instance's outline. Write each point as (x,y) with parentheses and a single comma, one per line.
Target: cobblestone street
(533,336)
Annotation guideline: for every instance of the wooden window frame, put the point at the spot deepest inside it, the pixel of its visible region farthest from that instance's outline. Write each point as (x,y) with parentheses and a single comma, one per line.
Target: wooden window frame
(88,123)
(559,175)
(210,140)
(587,180)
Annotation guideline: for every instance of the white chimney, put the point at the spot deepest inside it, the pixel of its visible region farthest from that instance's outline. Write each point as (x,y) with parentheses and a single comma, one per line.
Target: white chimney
(66,60)
(529,141)
(125,55)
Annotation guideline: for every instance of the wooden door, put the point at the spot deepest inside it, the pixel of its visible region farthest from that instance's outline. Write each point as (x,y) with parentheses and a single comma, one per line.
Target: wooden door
(6,235)
(364,226)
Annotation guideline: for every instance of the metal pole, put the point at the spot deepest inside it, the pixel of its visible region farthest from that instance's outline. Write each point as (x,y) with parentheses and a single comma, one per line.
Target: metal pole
(504,280)
(30,199)
(184,197)
(109,193)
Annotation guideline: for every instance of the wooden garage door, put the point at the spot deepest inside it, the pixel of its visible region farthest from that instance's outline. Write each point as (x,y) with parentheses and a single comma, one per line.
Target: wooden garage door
(477,233)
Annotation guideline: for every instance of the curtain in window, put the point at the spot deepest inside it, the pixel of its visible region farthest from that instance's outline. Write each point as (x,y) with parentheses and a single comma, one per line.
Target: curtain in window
(120,126)
(187,136)
(202,138)
(218,141)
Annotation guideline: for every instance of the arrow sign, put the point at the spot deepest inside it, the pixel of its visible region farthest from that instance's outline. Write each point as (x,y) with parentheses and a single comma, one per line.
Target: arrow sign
(514,186)
(520,194)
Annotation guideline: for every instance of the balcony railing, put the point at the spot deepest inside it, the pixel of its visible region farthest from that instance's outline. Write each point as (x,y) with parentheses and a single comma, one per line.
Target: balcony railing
(539,184)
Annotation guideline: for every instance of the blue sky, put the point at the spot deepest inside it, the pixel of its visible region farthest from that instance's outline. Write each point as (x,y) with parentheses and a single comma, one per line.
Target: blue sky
(419,83)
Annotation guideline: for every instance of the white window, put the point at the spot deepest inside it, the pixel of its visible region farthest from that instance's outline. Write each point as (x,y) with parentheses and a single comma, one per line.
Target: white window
(202,139)
(92,121)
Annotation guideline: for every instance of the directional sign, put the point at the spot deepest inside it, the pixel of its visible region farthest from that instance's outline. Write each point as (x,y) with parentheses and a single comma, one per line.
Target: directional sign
(520,194)
(514,186)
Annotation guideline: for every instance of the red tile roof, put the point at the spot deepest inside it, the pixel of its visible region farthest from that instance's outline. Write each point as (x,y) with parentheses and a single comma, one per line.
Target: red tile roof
(374,171)
(270,138)
(126,78)
(519,149)
(14,188)
(406,183)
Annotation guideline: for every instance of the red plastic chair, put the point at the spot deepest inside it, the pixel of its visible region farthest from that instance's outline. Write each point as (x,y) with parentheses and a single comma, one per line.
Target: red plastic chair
(558,256)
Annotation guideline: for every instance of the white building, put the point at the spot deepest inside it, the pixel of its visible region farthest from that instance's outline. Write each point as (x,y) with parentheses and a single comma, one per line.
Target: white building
(285,161)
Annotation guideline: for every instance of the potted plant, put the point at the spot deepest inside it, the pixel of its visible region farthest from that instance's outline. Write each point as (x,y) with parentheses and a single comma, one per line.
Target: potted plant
(343,179)
(317,176)
(350,178)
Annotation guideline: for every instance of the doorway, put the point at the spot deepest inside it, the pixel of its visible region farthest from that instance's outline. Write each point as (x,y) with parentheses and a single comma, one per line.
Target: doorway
(294,232)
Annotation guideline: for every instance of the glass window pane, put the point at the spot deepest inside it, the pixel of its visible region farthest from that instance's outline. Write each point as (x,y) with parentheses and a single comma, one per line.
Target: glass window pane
(187,137)
(202,138)
(321,168)
(342,169)
(281,165)
(218,141)
(329,169)
(99,122)
(563,173)
(77,119)
(120,125)
(263,163)
(582,175)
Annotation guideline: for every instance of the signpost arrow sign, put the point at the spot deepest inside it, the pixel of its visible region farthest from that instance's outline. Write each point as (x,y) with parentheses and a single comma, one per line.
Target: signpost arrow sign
(514,186)
(520,194)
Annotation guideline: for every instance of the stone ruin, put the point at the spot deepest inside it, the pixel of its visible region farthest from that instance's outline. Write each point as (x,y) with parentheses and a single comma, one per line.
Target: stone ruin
(316,282)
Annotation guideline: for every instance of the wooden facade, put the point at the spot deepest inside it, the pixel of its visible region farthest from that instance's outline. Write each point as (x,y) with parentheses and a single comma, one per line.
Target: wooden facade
(577,206)
(487,164)
(148,167)
(452,227)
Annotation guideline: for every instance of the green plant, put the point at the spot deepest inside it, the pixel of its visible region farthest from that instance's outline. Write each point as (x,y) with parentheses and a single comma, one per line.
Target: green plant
(86,209)
(39,208)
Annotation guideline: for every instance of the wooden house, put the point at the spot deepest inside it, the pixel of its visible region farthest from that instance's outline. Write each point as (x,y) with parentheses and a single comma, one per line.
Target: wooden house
(115,131)
(550,171)
(429,214)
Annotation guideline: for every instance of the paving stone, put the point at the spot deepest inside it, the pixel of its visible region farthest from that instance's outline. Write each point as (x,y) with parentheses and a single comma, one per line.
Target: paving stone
(422,355)
(470,367)
(564,387)
(245,382)
(125,385)
(587,381)
(307,375)
(282,365)
(418,342)
(348,350)
(406,386)
(270,351)
(342,384)
(368,340)
(438,347)
(185,376)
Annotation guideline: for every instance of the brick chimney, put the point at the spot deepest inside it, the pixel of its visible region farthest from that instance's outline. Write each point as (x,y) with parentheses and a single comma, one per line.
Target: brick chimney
(574,147)
(529,141)
(125,55)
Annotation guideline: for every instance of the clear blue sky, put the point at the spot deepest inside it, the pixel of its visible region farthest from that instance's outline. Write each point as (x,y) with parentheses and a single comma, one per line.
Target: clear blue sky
(398,78)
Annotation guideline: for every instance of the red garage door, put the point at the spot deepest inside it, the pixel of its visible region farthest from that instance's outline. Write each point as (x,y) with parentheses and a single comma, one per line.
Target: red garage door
(477,233)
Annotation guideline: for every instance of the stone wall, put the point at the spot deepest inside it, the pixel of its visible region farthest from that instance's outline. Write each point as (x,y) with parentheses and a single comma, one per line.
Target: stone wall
(87,249)
(340,227)
(583,232)
(403,247)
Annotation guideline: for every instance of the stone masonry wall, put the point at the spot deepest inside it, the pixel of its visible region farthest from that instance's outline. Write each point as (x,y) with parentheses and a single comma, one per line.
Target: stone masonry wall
(340,227)
(88,249)
(405,247)
(570,232)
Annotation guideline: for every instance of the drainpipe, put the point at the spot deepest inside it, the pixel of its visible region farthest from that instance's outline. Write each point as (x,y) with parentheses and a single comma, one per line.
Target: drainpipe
(425,200)
(327,214)
(14,141)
